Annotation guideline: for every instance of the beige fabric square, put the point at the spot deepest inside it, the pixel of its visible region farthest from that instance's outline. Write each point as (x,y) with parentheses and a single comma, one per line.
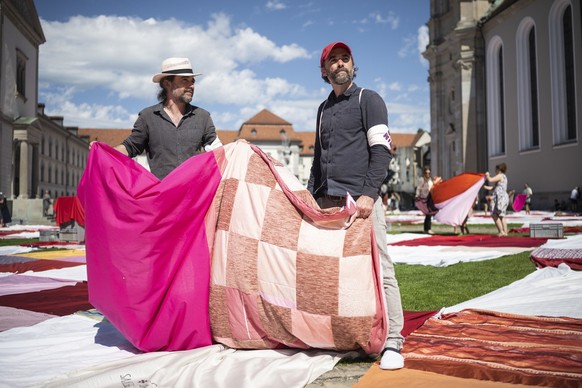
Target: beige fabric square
(356,292)
(320,241)
(249,208)
(277,275)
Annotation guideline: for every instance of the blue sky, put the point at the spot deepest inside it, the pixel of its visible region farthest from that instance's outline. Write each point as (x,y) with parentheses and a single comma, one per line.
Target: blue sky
(96,66)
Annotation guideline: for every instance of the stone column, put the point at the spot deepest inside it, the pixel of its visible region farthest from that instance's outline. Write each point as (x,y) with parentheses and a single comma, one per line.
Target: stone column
(23,172)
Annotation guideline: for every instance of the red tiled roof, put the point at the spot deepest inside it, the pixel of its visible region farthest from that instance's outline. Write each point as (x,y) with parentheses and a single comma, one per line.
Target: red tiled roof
(111,137)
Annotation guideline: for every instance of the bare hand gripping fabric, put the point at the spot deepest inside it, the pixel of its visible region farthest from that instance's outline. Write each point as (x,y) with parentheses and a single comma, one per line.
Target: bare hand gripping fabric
(230,243)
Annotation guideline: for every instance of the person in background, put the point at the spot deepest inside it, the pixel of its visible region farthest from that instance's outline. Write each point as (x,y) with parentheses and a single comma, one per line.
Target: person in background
(173,130)
(423,189)
(500,197)
(574,199)
(352,152)
(528,193)
(5,217)
(46,203)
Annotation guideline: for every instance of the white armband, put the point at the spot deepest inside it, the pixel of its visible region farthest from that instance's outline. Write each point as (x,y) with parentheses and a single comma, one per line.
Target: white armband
(379,134)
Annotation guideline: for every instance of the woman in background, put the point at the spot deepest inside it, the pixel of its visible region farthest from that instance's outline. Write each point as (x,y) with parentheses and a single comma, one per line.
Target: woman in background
(500,197)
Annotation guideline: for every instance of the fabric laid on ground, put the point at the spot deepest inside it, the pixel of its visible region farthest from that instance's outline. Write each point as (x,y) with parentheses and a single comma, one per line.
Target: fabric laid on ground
(556,252)
(11,317)
(475,240)
(454,197)
(79,351)
(57,254)
(442,251)
(552,292)
(414,378)
(78,273)
(282,269)
(59,301)
(20,284)
(36,265)
(502,347)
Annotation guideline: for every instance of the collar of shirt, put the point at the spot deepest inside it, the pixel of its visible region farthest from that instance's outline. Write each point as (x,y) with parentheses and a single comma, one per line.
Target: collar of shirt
(351,90)
(189,109)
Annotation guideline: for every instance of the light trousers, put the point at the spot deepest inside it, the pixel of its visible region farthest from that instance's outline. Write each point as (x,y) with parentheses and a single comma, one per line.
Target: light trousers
(392,299)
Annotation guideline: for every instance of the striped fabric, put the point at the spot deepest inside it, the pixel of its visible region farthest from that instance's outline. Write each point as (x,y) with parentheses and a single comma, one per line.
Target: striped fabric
(487,345)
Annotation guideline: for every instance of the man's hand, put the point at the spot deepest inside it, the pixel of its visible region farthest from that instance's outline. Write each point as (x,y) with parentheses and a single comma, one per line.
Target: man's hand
(364,204)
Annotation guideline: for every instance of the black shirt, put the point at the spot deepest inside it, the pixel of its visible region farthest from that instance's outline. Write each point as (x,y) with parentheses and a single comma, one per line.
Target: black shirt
(352,145)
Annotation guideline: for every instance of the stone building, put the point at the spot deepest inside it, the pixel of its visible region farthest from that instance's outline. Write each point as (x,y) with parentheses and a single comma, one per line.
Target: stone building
(506,86)
(37,152)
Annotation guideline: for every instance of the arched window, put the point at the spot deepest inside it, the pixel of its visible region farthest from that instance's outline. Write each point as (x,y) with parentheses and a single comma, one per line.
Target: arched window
(562,72)
(527,86)
(495,97)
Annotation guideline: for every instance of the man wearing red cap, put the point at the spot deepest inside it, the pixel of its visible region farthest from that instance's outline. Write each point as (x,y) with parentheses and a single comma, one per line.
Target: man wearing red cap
(352,154)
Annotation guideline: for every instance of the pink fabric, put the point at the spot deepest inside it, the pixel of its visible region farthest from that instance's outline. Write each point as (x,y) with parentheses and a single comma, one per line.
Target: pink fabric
(148,260)
(519,202)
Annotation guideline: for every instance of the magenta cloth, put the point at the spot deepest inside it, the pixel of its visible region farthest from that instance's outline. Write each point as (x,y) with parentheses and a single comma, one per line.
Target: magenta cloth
(148,258)
(519,202)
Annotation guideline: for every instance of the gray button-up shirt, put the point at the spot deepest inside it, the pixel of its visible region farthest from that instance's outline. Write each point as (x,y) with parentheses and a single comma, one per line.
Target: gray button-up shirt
(166,145)
(345,160)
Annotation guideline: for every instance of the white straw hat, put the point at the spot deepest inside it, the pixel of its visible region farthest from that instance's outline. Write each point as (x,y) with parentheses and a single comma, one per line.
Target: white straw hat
(175,66)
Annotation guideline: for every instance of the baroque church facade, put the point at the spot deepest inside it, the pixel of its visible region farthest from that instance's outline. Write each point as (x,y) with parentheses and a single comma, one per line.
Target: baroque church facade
(506,87)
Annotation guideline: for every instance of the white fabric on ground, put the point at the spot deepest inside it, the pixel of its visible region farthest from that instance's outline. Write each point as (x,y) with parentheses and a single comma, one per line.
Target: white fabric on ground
(443,256)
(79,351)
(549,291)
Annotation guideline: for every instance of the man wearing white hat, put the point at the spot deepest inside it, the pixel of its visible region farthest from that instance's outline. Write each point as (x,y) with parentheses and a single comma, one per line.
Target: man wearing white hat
(173,130)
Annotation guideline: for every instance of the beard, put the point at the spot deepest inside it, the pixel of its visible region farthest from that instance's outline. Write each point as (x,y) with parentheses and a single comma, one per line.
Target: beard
(182,96)
(341,77)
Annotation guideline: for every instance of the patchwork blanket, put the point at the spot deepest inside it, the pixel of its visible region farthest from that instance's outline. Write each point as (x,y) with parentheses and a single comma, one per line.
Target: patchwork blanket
(487,345)
(229,247)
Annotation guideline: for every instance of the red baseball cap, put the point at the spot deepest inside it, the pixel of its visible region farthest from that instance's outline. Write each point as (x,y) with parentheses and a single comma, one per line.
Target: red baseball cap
(331,46)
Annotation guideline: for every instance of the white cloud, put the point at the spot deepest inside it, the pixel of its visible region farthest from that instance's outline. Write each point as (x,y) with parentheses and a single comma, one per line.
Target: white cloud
(392,20)
(275,5)
(423,40)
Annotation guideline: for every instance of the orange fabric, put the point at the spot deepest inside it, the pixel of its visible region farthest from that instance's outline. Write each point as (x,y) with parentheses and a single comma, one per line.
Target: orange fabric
(67,209)
(488,345)
(450,188)
(410,378)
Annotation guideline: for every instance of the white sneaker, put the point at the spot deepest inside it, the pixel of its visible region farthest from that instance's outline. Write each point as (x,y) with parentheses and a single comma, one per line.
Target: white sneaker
(391,359)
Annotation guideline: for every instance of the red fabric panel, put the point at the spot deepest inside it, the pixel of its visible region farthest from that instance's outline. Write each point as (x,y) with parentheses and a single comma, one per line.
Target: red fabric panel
(59,301)
(67,209)
(415,319)
(36,266)
(475,240)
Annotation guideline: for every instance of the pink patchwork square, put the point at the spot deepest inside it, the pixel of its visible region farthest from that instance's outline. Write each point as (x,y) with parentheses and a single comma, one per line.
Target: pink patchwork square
(282,221)
(218,265)
(277,276)
(243,316)
(241,266)
(314,330)
(317,284)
